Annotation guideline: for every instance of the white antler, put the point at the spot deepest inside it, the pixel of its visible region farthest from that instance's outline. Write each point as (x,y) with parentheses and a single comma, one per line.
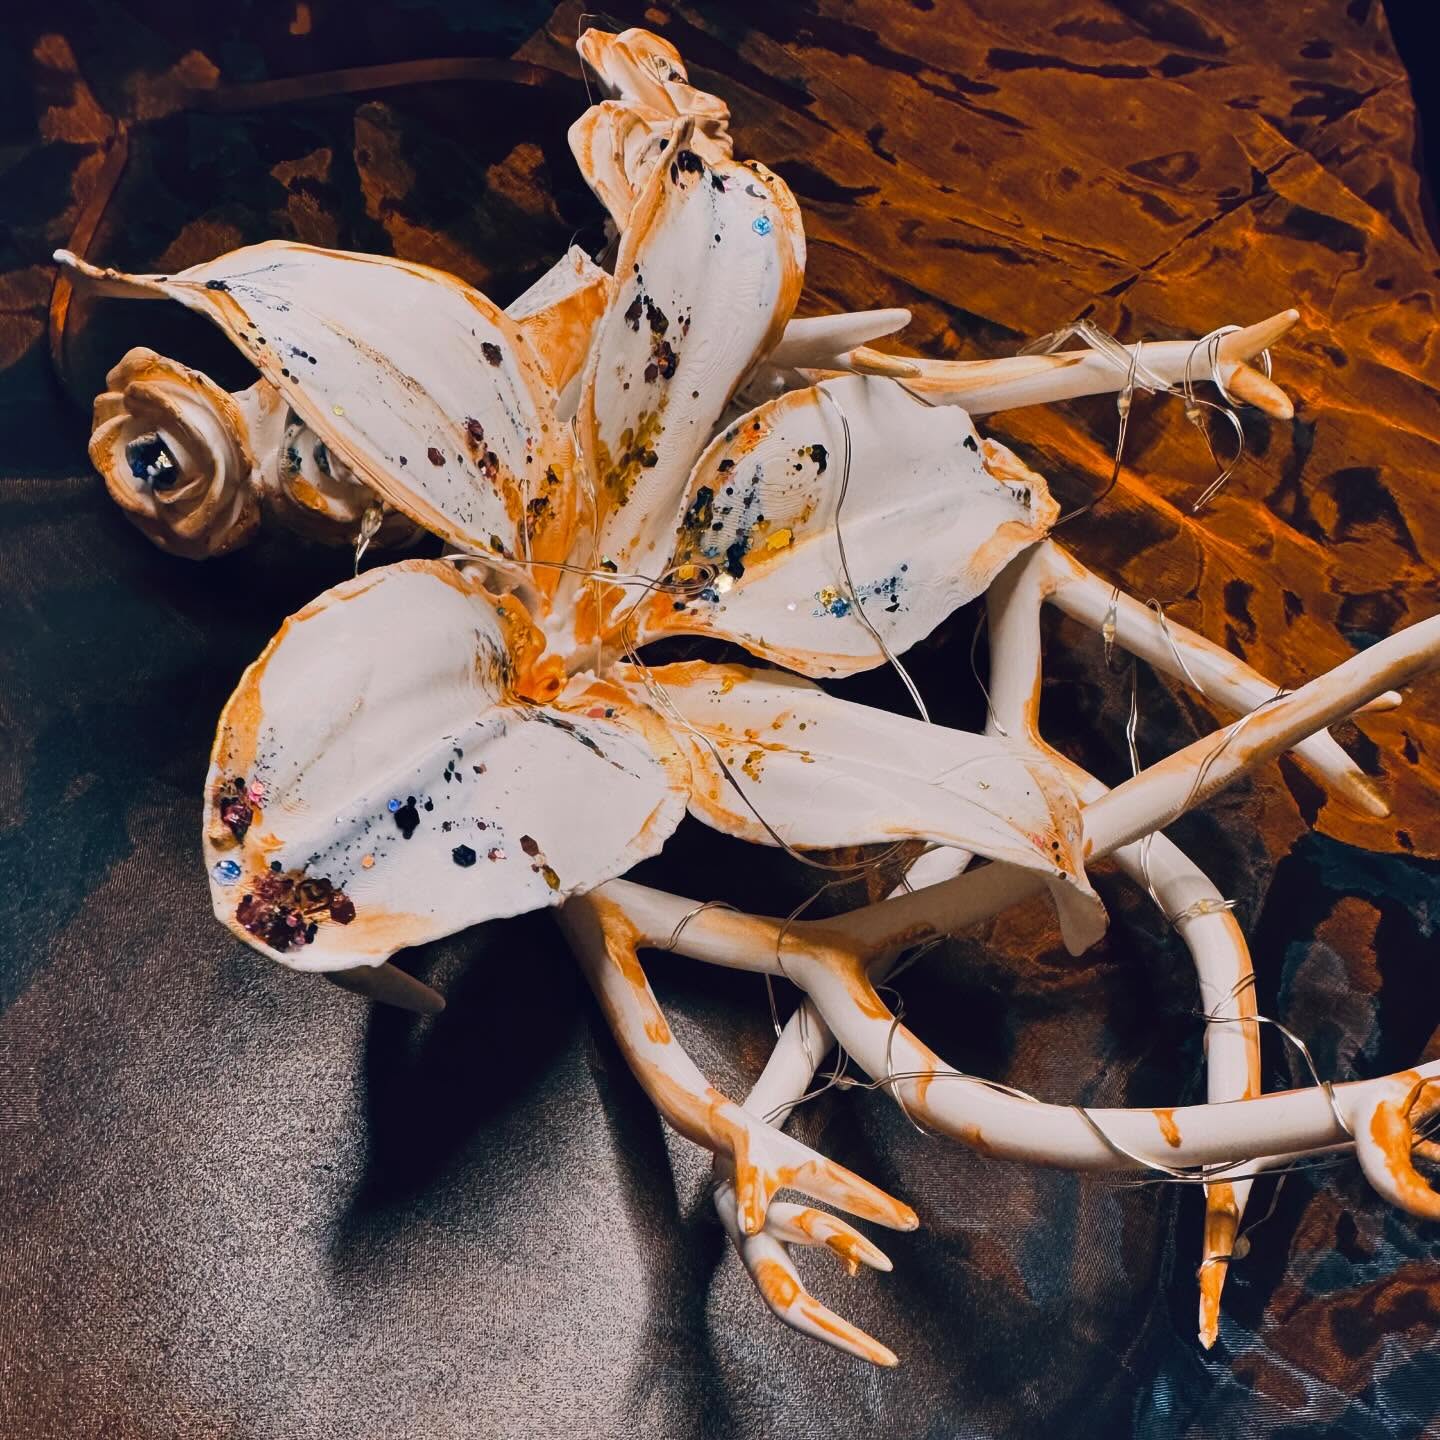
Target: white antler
(984,386)
(831,959)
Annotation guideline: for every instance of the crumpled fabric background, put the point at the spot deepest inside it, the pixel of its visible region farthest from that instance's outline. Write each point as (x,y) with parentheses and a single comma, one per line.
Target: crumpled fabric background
(237,1202)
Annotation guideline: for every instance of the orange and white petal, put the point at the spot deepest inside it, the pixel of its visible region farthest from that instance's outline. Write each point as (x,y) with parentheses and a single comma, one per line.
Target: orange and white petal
(616,147)
(930,515)
(643,70)
(820,772)
(618,142)
(381,779)
(706,278)
(559,313)
(430,393)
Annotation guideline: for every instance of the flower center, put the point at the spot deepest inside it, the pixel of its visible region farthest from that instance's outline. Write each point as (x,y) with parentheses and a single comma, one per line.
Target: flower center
(150,460)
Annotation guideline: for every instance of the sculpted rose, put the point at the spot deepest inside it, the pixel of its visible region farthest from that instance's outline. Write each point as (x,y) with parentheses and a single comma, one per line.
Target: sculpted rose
(194,466)
(175,452)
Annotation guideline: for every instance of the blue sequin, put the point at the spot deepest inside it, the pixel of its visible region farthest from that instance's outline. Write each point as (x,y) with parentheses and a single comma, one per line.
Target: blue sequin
(393,806)
(761,225)
(226,872)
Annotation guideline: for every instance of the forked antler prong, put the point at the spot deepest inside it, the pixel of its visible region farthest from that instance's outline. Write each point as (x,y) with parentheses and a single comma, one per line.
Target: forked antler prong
(1014,381)
(1169,647)
(820,345)
(766,1259)
(1386,1144)
(841,342)
(758,1159)
(753,1160)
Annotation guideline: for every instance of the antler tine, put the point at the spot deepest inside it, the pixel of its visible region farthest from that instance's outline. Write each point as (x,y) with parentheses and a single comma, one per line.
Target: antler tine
(1254,388)
(1013,381)
(1249,341)
(388,984)
(759,1159)
(1182,891)
(769,1265)
(823,340)
(830,959)
(1188,657)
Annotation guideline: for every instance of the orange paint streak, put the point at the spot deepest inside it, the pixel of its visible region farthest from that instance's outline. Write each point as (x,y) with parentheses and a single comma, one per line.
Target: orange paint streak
(776,1284)
(561,333)
(1222,1220)
(657,735)
(1168,1128)
(822,1319)
(972,1136)
(1391,1128)
(851,971)
(536,676)
(622,945)
(844,1245)
(594,605)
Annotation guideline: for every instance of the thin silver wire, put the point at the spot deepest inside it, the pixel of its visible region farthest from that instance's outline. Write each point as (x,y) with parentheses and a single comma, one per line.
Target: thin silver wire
(856,602)
(990,715)
(1328,1086)
(669,946)
(1127,359)
(1195,406)
(1175,650)
(1123,402)
(1157,1171)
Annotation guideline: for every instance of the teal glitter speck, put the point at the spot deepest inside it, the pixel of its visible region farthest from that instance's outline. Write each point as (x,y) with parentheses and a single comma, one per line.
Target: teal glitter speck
(761,225)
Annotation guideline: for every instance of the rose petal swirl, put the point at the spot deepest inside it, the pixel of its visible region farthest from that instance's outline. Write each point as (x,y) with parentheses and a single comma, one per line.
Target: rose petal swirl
(175,452)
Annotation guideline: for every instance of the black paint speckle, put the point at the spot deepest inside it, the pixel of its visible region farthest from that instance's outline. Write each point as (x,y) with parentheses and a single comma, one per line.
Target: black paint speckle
(407,818)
